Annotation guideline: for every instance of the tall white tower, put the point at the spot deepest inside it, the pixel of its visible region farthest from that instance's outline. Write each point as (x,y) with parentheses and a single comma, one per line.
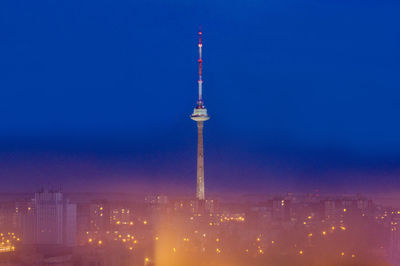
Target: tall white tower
(200,115)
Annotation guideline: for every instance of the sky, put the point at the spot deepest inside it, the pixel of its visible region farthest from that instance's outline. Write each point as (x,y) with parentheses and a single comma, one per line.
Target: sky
(303,95)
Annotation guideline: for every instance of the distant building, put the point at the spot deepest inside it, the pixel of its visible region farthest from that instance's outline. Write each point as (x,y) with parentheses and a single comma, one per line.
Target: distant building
(156,199)
(8,216)
(99,214)
(281,209)
(121,215)
(82,221)
(70,226)
(394,249)
(50,221)
(329,208)
(211,206)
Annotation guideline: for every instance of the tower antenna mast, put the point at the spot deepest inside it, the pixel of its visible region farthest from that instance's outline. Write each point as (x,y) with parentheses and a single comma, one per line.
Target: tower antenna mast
(200,70)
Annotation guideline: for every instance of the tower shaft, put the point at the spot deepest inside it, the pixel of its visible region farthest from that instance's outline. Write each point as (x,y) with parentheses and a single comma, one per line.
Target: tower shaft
(200,162)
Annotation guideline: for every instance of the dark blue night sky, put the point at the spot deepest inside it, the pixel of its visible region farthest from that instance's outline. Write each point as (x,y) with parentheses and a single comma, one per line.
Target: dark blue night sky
(302,95)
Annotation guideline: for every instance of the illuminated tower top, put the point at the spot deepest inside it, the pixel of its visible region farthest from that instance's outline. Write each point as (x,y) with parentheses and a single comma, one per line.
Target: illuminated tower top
(200,112)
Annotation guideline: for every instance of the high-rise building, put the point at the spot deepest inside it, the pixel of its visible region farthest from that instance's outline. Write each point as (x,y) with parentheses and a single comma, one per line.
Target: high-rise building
(394,248)
(8,216)
(51,221)
(200,115)
(48,217)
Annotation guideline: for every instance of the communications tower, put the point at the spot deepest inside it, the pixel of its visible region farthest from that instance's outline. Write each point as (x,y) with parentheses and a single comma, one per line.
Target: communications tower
(200,115)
